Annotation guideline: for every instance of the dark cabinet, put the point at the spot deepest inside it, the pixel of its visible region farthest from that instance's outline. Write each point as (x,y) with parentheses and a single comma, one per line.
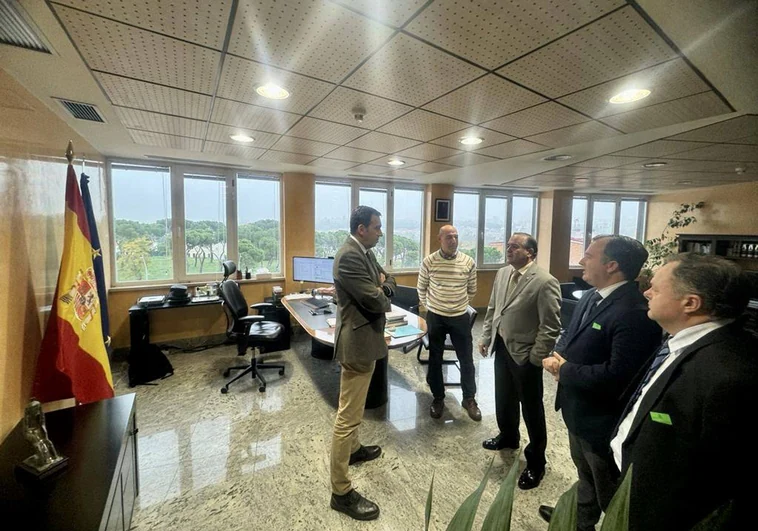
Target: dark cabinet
(742,248)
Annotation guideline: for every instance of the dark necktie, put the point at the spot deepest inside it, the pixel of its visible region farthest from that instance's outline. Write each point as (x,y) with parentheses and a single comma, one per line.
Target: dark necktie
(660,357)
(594,299)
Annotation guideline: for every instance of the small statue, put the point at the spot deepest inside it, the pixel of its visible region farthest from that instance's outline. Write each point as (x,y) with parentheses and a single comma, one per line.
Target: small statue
(45,458)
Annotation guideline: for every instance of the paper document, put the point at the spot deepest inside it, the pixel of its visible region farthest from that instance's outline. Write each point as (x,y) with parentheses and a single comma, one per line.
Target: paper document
(395,316)
(407,330)
(296,296)
(331,321)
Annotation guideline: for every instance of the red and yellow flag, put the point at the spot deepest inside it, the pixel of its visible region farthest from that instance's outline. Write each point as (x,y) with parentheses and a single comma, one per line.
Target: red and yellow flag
(73,360)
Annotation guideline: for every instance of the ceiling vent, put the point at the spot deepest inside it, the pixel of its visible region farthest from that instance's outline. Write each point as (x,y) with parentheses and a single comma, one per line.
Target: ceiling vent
(16,31)
(82,111)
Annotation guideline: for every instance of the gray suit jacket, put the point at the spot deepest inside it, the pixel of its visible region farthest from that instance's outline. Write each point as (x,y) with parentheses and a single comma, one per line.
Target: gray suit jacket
(530,316)
(361,303)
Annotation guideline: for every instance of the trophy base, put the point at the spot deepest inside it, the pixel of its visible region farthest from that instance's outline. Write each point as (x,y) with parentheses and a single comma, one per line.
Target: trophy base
(27,469)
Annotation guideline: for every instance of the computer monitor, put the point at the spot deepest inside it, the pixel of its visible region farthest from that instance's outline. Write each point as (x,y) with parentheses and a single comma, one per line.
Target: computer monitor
(312,269)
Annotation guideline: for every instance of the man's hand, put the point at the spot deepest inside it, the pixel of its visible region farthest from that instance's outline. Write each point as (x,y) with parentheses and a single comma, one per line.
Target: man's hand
(483,350)
(382,278)
(553,365)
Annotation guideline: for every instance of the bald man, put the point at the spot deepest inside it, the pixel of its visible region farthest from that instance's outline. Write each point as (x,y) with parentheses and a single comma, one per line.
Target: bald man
(446,285)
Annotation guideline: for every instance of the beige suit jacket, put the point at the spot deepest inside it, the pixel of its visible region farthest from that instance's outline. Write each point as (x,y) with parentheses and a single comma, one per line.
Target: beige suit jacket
(529,319)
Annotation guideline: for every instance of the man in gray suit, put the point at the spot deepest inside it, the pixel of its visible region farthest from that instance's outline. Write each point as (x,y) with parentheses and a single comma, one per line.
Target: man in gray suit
(525,312)
(363,296)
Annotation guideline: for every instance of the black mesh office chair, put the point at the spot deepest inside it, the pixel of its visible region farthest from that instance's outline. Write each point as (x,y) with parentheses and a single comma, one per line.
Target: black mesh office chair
(250,331)
(472,313)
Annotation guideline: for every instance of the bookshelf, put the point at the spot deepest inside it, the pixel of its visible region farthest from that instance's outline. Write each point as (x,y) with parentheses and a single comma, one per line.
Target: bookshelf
(742,248)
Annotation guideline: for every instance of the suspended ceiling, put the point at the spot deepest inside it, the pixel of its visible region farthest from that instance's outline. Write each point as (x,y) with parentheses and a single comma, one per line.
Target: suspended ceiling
(531,78)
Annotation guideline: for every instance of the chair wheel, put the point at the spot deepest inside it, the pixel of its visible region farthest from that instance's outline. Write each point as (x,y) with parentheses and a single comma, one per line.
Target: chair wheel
(226,373)
(281,372)
(261,389)
(224,390)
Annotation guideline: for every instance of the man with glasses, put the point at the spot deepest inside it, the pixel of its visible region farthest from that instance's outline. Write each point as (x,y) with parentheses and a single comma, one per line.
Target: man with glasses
(525,312)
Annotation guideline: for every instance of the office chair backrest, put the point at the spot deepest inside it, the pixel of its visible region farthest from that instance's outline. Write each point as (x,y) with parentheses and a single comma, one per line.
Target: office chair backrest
(229,268)
(234,303)
(406,297)
(472,313)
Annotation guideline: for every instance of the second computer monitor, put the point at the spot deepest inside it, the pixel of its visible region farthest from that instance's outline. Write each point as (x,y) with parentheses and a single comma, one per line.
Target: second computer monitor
(312,269)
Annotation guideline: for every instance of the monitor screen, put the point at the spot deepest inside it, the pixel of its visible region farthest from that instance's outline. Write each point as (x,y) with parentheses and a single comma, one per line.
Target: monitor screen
(311,269)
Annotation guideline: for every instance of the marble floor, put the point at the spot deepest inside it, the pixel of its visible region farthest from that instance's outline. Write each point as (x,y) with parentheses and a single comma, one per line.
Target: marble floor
(250,460)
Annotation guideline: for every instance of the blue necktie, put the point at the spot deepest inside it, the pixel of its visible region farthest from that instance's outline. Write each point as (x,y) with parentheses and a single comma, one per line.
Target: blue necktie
(594,299)
(660,357)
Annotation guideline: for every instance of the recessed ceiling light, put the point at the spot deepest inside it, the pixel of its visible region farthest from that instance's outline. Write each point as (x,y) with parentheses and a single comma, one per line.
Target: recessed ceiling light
(395,162)
(242,138)
(630,95)
(581,180)
(654,164)
(272,92)
(558,157)
(471,140)
(684,182)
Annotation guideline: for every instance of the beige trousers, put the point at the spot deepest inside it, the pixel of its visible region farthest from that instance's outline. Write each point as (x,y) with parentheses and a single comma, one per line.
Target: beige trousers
(354,383)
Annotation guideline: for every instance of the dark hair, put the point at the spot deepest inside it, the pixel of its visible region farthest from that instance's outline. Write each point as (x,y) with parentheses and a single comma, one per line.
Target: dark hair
(362,215)
(530,244)
(627,252)
(720,284)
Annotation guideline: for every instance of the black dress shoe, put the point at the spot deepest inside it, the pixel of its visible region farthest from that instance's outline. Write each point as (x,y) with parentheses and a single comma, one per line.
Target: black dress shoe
(498,443)
(546,512)
(365,453)
(530,478)
(355,506)
(435,410)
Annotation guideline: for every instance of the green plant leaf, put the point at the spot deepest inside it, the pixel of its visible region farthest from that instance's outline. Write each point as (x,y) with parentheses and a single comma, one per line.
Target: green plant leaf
(718,519)
(564,514)
(428,512)
(617,515)
(499,515)
(463,519)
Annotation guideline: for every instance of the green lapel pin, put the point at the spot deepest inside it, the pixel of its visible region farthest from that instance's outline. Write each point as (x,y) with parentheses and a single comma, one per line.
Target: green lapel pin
(662,418)
(596,326)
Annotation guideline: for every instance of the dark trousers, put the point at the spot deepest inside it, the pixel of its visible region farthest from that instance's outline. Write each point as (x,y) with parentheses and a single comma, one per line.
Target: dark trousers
(598,480)
(459,329)
(520,384)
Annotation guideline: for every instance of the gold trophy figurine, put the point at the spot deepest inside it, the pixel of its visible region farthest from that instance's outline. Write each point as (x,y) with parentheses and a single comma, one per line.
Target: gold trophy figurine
(46,459)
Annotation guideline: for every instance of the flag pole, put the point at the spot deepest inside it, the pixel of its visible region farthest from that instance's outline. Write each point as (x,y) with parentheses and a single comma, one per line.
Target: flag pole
(70,152)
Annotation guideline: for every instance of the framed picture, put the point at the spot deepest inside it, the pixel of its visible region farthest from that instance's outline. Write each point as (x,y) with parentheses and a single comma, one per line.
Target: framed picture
(442,210)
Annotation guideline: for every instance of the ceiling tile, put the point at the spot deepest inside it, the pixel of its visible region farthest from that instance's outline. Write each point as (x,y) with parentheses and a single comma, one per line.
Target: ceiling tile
(286,158)
(342,105)
(354,155)
(752,139)
(315,38)
(574,134)
(682,165)
(672,112)
(136,53)
(486,98)
(466,159)
(488,136)
(150,97)
(409,71)
(252,117)
(727,131)
(409,161)
(165,141)
(615,173)
(302,146)
(405,174)
(512,149)
(221,133)
(728,152)
(392,12)
(373,169)
(423,125)
(331,164)
(323,131)
(190,20)
(568,171)
(428,152)
(615,45)
(537,119)
(666,81)
(244,152)
(609,161)
(490,33)
(375,141)
(161,123)
(659,148)
(240,79)
(433,167)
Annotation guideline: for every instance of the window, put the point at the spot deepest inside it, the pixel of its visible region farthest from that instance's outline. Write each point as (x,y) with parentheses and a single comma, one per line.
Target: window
(407,228)
(486,220)
(377,199)
(332,217)
(596,215)
(160,208)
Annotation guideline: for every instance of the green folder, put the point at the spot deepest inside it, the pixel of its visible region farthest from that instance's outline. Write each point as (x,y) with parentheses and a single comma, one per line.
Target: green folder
(406,330)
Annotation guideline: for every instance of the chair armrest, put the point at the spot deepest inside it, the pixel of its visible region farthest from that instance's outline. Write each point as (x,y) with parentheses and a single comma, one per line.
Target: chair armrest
(250,319)
(414,309)
(260,306)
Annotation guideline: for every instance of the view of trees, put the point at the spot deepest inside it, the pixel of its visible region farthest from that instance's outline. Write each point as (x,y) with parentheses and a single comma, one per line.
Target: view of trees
(405,250)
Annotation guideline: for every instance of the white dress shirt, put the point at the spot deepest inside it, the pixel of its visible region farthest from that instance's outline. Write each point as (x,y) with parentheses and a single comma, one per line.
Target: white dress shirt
(677,345)
(359,244)
(606,291)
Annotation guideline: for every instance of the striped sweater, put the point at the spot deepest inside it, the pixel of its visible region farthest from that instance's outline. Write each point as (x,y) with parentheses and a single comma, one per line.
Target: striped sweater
(446,285)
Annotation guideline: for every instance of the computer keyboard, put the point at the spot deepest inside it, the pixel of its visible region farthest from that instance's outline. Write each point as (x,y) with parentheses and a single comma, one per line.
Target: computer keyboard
(316,303)
(205,298)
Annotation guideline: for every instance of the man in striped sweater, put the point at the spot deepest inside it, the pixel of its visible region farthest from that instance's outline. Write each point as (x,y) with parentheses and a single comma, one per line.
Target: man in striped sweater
(446,284)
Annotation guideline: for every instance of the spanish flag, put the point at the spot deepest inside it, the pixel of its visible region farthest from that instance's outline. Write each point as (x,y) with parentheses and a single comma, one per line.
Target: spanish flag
(73,360)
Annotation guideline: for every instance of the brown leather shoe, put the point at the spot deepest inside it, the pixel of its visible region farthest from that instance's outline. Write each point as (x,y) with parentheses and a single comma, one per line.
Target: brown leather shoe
(470,405)
(435,410)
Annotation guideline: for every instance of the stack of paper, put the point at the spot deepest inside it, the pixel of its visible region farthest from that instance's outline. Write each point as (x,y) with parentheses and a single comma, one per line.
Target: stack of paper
(395,318)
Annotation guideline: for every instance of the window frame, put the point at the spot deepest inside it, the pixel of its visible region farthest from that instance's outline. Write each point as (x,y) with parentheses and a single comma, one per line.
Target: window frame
(177,172)
(501,194)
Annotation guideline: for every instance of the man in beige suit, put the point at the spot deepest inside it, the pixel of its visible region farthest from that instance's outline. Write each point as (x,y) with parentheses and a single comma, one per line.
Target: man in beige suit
(525,312)
(363,296)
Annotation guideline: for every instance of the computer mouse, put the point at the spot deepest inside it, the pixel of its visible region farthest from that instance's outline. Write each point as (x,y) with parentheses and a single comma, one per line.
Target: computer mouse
(327,310)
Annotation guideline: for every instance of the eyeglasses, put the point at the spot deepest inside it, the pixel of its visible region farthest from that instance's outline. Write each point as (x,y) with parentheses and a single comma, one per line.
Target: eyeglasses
(514,246)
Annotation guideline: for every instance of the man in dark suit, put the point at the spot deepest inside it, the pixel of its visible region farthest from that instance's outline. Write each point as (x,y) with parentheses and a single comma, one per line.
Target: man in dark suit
(525,313)
(609,339)
(363,296)
(687,429)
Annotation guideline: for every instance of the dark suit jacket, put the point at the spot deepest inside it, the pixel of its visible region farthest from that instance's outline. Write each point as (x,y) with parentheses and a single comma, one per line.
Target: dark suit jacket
(602,357)
(684,471)
(361,303)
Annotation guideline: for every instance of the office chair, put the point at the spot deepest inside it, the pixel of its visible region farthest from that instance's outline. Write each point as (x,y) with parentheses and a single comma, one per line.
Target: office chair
(471,312)
(248,330)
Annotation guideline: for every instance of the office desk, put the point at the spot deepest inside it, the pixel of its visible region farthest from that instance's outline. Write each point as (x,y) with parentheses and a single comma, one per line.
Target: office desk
(317,327)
